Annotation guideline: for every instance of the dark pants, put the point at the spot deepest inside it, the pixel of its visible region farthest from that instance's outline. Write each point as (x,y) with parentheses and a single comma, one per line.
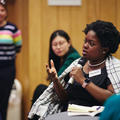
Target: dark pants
(7,75)
(0,117)
(38,91)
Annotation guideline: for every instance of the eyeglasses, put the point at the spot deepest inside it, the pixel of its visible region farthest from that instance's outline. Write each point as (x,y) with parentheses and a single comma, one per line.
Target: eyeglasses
(60,44)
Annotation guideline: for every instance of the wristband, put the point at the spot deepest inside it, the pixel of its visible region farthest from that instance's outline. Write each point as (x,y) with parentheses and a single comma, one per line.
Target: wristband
(86,82)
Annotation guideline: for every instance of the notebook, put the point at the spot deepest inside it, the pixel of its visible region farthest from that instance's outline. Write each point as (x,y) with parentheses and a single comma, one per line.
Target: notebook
(84,110)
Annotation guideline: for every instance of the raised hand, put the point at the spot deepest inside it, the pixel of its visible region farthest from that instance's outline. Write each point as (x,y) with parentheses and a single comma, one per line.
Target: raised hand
(52,73)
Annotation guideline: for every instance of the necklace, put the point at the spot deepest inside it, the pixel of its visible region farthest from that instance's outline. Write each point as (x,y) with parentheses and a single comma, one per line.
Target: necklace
(95,64)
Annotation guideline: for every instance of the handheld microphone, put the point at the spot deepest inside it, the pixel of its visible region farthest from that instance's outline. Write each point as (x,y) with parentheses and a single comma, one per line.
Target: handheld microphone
(81,62)
(71,80)
(78,63)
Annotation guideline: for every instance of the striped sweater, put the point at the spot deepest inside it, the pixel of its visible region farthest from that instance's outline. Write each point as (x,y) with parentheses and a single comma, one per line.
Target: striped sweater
(10,42)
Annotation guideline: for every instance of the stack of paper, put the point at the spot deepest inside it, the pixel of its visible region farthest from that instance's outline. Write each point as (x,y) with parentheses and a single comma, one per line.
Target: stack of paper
(84,110)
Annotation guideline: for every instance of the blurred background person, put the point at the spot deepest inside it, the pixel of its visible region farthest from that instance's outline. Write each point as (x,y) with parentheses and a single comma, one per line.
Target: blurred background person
(10,44)
(62,53)
(112,110)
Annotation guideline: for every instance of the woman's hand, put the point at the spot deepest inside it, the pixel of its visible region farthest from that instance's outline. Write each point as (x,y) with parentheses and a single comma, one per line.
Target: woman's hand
(100,94)
(77,74)
(52,73)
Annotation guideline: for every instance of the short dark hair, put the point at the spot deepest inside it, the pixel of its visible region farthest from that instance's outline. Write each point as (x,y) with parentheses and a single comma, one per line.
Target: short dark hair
(107,34)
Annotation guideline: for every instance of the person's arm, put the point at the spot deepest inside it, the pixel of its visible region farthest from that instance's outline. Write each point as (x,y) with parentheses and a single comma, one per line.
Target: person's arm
(17,38)
(52,75)
(99,93)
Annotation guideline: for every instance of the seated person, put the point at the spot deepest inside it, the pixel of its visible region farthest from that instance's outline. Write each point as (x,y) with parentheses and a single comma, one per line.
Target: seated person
(93,82)
(62,53)
(112,110)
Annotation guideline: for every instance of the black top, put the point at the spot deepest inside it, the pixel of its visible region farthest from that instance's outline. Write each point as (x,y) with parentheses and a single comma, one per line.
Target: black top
(79,95)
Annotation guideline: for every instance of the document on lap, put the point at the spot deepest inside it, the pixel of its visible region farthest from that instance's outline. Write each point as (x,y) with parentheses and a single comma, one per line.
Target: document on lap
(74,110)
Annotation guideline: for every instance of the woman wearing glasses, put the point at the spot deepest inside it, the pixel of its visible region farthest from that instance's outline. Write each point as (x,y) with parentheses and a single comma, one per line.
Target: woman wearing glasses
(62,53)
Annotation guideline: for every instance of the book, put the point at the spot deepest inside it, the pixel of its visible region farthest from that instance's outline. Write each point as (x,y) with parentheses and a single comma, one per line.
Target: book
(84,110)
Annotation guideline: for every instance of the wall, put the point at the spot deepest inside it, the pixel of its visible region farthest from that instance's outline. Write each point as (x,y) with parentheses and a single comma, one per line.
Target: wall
(37,21)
